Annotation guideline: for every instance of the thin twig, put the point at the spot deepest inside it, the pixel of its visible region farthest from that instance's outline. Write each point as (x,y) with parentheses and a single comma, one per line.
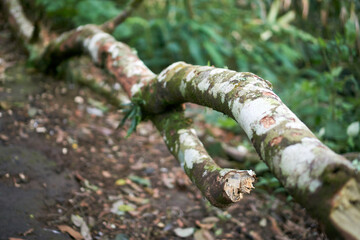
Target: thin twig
(110,25)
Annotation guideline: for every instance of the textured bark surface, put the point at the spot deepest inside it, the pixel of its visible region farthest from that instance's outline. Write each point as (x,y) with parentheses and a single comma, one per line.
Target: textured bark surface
(322,181)
(18,21)
(220,186)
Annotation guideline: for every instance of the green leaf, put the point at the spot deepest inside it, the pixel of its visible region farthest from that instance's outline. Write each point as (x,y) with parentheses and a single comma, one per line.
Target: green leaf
(195,50)
(120,182)
(214,54)
(139,180)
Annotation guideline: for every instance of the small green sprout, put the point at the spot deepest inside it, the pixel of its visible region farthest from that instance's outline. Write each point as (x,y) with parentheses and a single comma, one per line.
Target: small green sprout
(133,112)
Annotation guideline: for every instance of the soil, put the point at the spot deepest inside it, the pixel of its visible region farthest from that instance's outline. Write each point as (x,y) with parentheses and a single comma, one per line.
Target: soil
(65,169)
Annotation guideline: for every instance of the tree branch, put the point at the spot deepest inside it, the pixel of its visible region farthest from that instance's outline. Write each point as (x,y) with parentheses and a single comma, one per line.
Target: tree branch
(305,166)
(17,20)
(110,25)
(221,187)
(322,181)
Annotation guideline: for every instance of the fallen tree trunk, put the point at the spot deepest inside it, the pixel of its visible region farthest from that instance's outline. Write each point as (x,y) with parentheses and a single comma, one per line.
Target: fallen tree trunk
(319,179)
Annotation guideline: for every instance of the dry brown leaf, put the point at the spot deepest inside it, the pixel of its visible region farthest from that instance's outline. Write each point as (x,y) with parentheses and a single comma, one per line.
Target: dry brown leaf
(203,235)
(255,235)
(70,231)
(27,232)
(106,174)
(206,226)
(274,227)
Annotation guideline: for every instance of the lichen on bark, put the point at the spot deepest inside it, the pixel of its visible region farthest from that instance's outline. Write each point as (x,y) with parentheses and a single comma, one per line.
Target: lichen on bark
(221,187)
(305,166)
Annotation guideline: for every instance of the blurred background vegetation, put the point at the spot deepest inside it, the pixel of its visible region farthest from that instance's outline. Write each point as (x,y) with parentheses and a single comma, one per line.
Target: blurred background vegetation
(309,50)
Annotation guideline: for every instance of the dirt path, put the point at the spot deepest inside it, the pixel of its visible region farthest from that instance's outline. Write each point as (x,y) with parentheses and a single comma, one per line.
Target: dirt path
(63,164)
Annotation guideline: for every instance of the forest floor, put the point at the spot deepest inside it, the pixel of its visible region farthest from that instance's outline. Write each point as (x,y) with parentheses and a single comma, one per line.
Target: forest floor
(66,170)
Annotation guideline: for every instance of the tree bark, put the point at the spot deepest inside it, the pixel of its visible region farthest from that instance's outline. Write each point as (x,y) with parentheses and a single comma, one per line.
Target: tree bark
(319,179)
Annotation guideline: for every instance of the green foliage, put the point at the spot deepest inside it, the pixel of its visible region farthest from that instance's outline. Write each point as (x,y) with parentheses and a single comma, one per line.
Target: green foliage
(72,13)
(132,112)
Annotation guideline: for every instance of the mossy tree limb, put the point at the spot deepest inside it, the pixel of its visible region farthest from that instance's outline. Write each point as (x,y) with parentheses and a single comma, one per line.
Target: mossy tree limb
(322,181)
(17,20)
(227,185)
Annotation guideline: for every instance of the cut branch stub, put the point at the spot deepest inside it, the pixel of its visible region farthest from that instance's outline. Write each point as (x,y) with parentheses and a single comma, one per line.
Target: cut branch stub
(237,183)
(220,186)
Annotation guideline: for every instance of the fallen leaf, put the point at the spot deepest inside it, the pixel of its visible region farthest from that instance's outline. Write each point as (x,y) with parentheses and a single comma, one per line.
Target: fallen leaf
(203,234)
(94,111)
(70,231)
(137,200)
(106,174)
(97,104)
(274,227)
(76,220)
(139,180)
(27,232)
(120,182)
(184,232)
(168,180)
(255,235)
(85,231)
(263,222)
(206,226)
(210,220)
(119,208)
(90,186)
(32,112)
(4,137)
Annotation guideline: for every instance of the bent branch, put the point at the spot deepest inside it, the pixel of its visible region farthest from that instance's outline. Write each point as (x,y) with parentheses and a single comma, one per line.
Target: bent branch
(322,181)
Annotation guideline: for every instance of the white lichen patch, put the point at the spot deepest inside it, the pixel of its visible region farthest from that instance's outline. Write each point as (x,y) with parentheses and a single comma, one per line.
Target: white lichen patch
(193,156)
(92,45)
(204,85)
(189,145)
(136,88)
(135,68)
(216,71)
(193,131)
(183,88)
(249,114)
(222,88)
(117,86)
(314,184)
(114,50)
(170,68)
(297,163)
(188,138)
(161,77)
(238,76)
(190,75)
